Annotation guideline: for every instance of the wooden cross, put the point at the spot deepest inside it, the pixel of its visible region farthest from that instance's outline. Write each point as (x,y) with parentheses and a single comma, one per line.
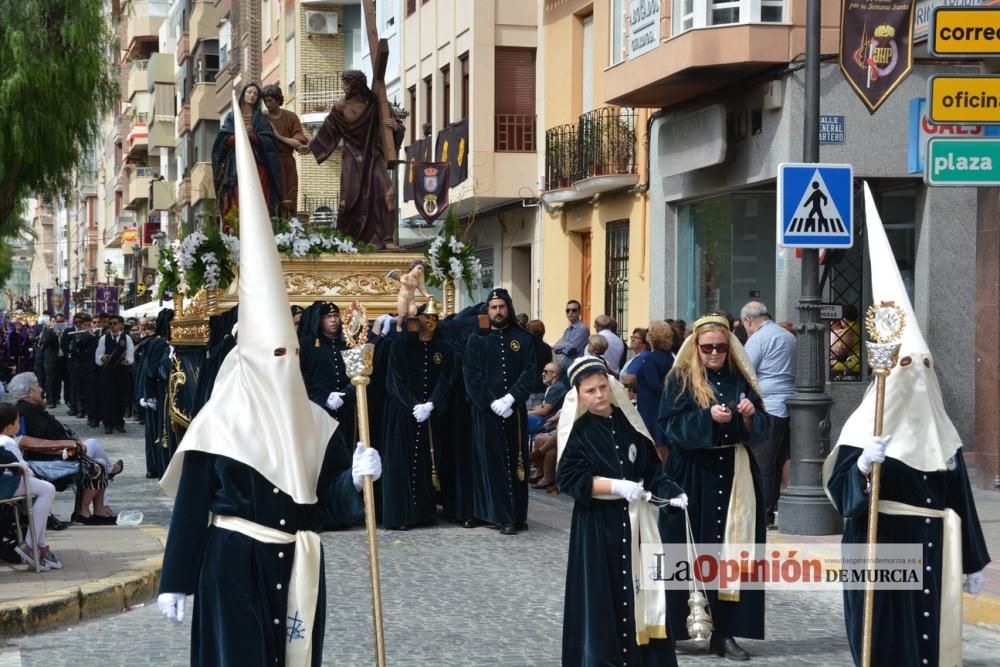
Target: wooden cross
(378,49)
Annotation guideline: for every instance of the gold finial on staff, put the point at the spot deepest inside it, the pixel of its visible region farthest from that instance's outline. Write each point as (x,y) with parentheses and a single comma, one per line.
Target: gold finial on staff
(885,323)
(358,362)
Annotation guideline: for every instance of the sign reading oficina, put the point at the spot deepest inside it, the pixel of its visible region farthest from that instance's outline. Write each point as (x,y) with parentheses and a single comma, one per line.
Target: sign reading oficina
(643,27)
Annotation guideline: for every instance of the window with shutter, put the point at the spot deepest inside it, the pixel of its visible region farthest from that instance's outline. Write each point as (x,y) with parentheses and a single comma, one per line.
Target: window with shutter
(514,99)
(588,63)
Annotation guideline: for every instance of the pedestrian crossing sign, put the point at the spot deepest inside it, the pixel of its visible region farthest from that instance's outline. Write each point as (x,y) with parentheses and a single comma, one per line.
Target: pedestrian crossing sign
(815,205)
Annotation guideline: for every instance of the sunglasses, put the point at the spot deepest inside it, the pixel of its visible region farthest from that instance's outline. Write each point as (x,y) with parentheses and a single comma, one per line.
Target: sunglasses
(572,310)
(709,348)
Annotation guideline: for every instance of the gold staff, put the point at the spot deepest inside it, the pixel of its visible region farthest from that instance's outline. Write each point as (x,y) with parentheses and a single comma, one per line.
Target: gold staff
(885,324)
(358,362)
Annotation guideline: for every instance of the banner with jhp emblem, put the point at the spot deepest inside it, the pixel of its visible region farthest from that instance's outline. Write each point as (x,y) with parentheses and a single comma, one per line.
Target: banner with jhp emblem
(876,47)
(430,190)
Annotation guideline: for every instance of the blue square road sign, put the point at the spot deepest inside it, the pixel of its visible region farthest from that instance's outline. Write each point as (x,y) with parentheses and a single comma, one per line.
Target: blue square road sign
(815,205)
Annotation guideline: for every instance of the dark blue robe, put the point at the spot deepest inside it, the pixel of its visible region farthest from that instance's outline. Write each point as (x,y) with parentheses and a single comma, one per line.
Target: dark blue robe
(906,622)
(498,363)
(599,616)
(649,390)
(241,585)
(417,372)
(148,385)
(324,372)
(701,461)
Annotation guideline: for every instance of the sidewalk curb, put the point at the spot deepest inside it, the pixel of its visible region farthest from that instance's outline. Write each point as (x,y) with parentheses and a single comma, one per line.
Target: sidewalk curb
(982,609)
(89,600)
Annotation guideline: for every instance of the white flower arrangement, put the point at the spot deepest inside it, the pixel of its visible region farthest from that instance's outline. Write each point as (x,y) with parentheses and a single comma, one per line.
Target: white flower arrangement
(449,258)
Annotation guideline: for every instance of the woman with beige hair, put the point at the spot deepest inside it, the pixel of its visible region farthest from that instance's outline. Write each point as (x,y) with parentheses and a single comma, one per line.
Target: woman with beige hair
(651,376)
(711,410)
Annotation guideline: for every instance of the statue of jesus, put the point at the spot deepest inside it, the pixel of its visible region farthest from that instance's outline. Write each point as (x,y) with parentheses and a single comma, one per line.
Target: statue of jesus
(367,198)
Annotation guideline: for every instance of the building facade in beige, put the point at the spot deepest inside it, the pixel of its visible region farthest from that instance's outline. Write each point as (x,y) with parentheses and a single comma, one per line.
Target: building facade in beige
(480,61)
(596,176)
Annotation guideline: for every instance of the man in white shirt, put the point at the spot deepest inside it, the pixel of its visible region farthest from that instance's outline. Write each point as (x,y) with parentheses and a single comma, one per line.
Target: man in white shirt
(115,353)
(605,326)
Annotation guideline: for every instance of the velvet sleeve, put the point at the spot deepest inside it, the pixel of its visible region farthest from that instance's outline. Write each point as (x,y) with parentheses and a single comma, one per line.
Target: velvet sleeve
(522,388)
(340,502)
(475,382)
(185,550)
(683,422)
(975,555)
(439,396)
(847,485)
(759,425)
(654,475)
(575,472)
(395,384)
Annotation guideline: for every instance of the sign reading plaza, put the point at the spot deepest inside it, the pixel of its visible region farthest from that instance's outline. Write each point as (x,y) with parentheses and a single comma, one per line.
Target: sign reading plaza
(963,162)
(971,100)
(970,32)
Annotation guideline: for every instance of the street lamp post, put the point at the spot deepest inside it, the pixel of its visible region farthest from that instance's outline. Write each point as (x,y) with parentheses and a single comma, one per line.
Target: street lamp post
(803,508)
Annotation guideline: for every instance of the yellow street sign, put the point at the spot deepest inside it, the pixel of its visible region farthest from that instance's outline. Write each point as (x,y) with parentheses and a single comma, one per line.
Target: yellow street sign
(972,32)
(974,100)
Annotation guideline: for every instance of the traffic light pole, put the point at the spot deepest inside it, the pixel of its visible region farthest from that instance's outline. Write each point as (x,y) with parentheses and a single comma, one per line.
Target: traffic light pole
(804,508)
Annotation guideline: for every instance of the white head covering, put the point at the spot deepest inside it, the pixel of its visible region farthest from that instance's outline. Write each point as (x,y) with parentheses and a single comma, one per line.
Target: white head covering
(573,408)
(259,412)
(923,436)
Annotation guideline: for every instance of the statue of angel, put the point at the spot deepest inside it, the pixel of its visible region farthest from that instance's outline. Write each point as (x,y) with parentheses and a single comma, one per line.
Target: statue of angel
(411,283)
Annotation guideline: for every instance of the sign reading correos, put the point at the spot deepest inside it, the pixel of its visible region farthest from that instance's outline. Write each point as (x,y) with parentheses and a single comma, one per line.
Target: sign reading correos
(968,33)
(643,27)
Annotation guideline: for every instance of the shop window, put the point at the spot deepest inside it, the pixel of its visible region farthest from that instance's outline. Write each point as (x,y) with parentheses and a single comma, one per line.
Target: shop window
(616,273)
(844,279)
(726,248)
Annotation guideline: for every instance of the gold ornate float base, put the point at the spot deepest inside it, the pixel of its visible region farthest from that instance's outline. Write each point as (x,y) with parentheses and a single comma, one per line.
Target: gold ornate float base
(340,278)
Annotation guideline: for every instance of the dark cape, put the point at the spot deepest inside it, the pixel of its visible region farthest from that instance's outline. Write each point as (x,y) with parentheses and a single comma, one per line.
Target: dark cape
(324,372)
(649,390)
(418,372)
(457,462)
(84,371)
(220,343)
(599,618)
(149,384)
(265,153)
(364,178)
(905,624)
(498,363)
(240,586)
(701,461)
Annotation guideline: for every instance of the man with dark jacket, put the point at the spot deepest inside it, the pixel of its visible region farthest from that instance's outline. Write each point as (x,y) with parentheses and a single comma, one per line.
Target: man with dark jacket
(55,344)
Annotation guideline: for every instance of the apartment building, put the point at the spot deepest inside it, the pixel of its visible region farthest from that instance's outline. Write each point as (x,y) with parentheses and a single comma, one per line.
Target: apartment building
(46,268)
(477,65)
(596,176)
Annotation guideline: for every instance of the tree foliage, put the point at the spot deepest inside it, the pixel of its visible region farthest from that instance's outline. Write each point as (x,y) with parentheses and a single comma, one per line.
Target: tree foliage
(56,82)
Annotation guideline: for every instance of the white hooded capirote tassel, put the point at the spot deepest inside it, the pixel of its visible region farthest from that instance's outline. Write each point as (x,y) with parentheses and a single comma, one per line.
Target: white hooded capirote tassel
(923,436)
(259,413)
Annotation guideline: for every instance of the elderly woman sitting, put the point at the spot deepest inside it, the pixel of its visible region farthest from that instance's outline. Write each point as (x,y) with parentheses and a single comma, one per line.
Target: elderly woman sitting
(44,438)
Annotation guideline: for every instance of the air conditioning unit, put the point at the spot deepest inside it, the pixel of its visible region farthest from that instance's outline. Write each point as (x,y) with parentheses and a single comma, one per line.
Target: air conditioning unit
(321,23)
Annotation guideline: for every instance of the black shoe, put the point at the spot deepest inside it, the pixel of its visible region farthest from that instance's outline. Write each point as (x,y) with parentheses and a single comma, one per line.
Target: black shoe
(150,475)
(471,523)
(51,405)
(53,523)
(508,529)
(94,424)
(107,430)
(727,648)
(116,469)
(72,413)
(401,528)
(120,429)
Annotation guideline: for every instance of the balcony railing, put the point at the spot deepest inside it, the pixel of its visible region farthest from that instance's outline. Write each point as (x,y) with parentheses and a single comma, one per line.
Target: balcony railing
(322,211)
(601,143)
(319,92)
(561,155)
(514,134)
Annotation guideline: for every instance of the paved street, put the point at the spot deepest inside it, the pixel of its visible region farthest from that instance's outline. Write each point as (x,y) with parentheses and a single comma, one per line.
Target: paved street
(452,596)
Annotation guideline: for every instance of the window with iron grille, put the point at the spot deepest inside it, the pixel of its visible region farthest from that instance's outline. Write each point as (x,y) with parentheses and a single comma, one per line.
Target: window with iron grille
(616,273)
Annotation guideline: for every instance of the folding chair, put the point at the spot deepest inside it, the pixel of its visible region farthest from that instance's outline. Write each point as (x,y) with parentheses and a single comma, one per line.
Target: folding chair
(27,500)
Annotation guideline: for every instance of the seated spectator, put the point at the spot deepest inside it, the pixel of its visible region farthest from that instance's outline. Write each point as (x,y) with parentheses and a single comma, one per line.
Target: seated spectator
(543,355)
(17,482)
(556,388)
(544,455)
(44,438)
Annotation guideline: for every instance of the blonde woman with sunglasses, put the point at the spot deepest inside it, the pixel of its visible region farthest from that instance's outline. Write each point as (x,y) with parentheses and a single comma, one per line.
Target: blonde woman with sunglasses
(710,412)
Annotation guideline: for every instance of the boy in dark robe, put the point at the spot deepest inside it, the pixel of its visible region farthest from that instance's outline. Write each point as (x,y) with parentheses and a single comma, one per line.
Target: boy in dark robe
(323,366)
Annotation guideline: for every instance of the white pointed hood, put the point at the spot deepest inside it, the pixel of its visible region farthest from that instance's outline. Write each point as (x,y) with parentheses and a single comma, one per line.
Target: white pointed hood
(259,412)
(923,436)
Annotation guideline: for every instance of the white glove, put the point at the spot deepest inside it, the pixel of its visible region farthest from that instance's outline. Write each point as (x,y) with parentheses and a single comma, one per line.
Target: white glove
(873,453)
(366,462)
(422,411)
(974,582)
(508,414)
(151,403)
(507,402)
(384,324)
(142,402)
(335,400)
(497,407)
(680,502)
(627,489)
(172,606)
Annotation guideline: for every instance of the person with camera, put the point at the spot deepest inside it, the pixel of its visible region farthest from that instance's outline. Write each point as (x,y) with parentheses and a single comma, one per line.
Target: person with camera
(712,413)
(115,353)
